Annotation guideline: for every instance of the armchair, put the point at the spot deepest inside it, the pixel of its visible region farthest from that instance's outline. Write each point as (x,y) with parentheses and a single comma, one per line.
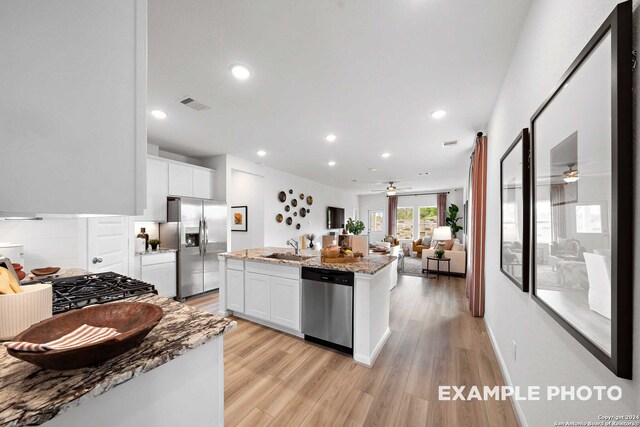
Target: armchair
(418,247)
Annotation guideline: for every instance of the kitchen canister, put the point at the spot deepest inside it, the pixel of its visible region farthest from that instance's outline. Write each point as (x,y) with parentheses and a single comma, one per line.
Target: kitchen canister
(19,311)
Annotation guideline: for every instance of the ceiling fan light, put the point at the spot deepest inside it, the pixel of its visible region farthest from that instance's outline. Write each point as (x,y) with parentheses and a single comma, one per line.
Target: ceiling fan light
(391,190)
(570,175)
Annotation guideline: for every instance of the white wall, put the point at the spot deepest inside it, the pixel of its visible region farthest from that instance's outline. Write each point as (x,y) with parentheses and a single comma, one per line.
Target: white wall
(552,36)
(50,242)
(376,202)
(248,190)
(274,181)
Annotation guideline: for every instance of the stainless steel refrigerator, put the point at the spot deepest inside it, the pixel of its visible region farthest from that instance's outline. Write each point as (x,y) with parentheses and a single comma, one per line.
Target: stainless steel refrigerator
(197,228)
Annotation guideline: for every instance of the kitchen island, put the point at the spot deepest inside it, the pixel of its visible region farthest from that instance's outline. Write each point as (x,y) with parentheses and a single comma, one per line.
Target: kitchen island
(175,377)
(267,290)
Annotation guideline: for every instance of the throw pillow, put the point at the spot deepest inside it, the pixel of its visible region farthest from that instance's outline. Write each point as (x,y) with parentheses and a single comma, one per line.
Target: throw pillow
(457,247)
(448,244)
(426,241)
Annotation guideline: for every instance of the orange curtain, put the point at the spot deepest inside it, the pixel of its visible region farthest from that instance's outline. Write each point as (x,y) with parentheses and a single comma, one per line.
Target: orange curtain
(478,196)
(392,215)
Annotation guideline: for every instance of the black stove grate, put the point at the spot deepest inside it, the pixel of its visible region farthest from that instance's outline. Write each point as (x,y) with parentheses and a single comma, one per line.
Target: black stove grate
(70,293)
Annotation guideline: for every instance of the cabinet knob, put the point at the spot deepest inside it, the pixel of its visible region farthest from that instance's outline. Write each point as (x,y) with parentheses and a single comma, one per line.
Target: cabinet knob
(96,260)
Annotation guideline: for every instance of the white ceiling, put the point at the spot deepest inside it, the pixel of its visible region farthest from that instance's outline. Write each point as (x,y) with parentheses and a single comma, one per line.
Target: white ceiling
(369,71)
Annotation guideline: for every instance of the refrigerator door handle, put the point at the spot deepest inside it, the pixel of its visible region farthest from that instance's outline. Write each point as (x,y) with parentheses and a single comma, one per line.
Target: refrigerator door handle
(206,235)
(200,229)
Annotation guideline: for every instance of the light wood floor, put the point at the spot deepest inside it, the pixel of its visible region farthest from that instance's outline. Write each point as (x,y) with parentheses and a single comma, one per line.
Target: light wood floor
(274,379)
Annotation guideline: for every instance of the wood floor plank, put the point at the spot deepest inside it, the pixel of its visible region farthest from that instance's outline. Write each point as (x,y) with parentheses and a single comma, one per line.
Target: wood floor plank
(388,399)
(275,379)
(413,412)
(256,418)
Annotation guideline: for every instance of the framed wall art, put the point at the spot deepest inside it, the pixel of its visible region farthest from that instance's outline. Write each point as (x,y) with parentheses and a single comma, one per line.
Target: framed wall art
(239,218)
(515,211)
(582,197)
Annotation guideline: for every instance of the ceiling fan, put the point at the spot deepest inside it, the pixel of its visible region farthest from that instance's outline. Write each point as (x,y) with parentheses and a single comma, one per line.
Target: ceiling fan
(391,189)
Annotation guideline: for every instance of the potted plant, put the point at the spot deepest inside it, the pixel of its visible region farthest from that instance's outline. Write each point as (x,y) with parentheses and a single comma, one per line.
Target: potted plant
(154,244)
(452,219)
(310,236)
(439,252)
(355,227)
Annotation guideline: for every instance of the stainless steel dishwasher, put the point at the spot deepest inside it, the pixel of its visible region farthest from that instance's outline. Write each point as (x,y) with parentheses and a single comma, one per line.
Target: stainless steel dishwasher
(327,308)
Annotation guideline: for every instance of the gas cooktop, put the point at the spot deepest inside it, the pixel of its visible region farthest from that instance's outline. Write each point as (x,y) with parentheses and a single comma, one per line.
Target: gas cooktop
(80,291)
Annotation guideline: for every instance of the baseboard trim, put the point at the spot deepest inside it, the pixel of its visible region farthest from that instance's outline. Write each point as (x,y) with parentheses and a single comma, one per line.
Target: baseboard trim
(368,361)
(268,324)
(505,374)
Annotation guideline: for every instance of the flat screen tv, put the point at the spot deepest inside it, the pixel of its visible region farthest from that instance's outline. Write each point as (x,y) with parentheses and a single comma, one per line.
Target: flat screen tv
(335,218)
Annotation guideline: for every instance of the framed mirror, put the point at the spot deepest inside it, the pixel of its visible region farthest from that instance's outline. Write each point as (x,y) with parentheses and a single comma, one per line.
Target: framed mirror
(582,197)
(514,211)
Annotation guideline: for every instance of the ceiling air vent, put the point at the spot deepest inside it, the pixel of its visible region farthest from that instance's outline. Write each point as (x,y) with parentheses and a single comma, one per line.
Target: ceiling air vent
(192,103)
(449,143)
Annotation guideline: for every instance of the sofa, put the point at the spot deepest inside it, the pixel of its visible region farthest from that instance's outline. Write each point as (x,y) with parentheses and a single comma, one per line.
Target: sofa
(458,257)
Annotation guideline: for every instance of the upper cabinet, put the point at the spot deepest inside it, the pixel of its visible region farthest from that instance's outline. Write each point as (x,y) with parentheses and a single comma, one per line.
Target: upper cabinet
(73,109)
(171,178)
(190,181)
(180,180)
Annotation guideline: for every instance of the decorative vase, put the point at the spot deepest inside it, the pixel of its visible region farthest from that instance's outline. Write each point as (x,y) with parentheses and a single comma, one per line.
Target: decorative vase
(311,244)
(154,247)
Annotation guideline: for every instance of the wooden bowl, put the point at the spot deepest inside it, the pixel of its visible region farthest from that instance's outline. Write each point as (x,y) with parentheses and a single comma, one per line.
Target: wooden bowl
(330,253)
(46,271)
(134,320)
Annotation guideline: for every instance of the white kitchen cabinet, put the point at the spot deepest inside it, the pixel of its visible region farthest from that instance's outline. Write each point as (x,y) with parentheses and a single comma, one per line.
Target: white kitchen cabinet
(160,271)
(235,290)
(180,180)
(203,183)
(157,190)
(257,296)
(285,302)
(73,111)
(190,181)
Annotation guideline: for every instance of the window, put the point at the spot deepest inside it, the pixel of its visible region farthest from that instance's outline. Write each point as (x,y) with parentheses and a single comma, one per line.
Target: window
(404,223)
(543,224)
(428,220)
(588,219)
(375,221)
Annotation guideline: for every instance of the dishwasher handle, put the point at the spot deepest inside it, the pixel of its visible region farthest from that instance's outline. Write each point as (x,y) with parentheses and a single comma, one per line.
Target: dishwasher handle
(327,276)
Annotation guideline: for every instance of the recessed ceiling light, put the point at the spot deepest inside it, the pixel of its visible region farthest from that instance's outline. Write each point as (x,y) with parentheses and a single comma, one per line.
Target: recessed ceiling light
(354,180)
(159,114)
(331,163)
(373,169)
(240,72)
(438,114)
(424,173)
(331,138)
(385,155)
(261,153)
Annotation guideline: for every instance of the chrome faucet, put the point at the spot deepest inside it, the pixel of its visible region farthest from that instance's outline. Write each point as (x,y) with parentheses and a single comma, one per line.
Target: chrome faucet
(294,244)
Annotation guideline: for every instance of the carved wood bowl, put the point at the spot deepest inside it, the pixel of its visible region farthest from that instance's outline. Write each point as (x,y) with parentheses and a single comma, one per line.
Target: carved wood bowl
(134,320)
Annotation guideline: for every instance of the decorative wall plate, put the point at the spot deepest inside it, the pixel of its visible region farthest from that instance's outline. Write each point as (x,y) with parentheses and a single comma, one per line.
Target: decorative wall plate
(308,210)
(298,226)
(295,214)
(282,196)
(289,221)
(294,203)
(303,212)
(279,217)
(301,196)
(291,191)
(309,200)
(287,208)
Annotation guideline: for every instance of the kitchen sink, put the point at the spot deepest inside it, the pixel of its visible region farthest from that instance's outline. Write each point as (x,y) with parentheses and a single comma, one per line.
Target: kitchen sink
(287,257)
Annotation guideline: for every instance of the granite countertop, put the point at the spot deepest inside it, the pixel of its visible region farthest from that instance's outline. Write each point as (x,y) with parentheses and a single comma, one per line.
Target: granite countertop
(370,264)
(159,251)
(31,396)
